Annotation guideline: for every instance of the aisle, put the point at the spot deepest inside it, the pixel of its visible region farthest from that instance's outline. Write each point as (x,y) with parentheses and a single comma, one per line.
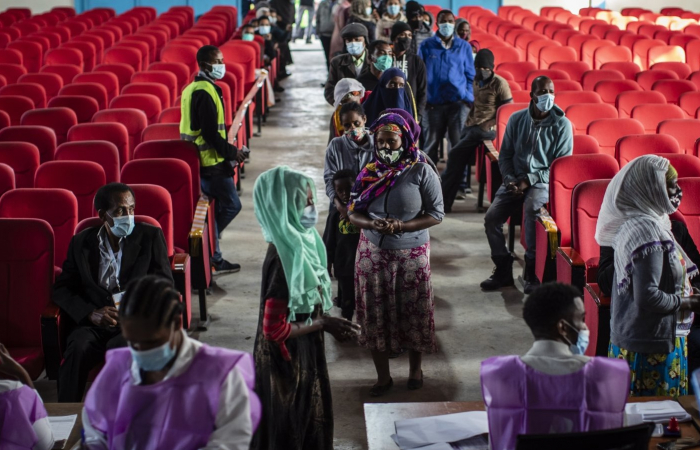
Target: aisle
(471,325)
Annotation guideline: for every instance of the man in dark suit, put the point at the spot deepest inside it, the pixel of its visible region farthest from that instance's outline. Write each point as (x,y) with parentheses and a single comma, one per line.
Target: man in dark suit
(100,263)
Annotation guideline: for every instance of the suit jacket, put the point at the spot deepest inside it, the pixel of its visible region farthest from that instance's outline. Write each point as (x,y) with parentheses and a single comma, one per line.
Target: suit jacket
(76,290)
(342,66)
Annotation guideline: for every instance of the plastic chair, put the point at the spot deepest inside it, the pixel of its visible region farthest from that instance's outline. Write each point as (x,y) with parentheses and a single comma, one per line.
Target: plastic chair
(633,146)
(59,119)
(84,107)
(133,119)
(23,158)
(34,91)
(104,153)
(51,82)
(581,115)
(608,131)
(609,90)
(66,71)
(673,89)
(627,100)
(148,103)
(156,89)
(685,131)
(113,132)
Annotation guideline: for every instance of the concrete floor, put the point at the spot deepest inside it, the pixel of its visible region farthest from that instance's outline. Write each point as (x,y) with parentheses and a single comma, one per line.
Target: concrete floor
(471,325)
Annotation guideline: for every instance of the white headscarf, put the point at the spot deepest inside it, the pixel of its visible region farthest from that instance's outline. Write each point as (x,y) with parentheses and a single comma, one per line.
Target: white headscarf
(344,87)
(263,11)
(634,216)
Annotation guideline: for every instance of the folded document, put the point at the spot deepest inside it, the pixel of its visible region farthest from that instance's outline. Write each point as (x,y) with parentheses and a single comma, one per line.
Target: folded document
(658,412)
(438,431)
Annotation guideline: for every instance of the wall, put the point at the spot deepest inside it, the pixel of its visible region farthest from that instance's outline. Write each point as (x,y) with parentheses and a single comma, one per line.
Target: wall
(120,6)
(37,6)
(616,5)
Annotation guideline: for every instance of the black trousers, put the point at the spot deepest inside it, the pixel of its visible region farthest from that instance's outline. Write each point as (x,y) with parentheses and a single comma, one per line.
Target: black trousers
(346,295)
(326,42)
(458,159)
(85,349)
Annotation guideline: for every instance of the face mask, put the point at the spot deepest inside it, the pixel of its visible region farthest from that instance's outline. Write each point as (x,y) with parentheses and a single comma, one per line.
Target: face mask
(393,10)
(427,23)
(545,102)
(155,358)
(473,56)
(355,48)
(368,11)
(402,44)
(581,345)
(388,156)
(446,29)
(676,198)
(264,29)
(484,74)
(383,63)
(309,217)
(217,71)
(356,134)
(248,37)
(123,226)
(273,20)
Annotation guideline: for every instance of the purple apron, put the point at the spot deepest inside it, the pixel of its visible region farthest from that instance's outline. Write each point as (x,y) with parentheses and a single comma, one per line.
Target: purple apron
(521,400)
(178,413)
(19,409)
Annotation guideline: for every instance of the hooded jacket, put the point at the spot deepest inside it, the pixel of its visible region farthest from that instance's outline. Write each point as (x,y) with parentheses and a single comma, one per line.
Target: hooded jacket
(529,147)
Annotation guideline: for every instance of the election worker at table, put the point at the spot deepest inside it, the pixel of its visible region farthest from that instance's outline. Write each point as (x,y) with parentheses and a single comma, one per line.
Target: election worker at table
(566,391)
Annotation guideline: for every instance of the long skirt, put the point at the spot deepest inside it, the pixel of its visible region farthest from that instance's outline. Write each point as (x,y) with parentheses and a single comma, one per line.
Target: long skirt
(656,374)
(394,298)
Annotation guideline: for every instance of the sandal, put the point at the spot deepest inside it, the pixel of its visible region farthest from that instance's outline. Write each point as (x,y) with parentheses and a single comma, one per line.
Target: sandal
(378,391)
(415,384)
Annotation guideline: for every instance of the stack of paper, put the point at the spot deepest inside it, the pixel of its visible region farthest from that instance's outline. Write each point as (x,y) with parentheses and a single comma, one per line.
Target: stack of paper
(438,432)
(658,412)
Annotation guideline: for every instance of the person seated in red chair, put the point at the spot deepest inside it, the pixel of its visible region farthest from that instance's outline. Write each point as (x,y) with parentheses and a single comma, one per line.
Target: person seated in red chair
(549,389)
(100,262)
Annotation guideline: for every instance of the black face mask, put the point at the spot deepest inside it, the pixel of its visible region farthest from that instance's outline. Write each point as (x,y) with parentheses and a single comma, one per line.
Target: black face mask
(402,44)
(484,74)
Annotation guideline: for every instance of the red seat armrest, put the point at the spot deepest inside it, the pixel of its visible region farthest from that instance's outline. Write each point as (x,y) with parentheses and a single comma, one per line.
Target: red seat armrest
(180,267)
(51,339)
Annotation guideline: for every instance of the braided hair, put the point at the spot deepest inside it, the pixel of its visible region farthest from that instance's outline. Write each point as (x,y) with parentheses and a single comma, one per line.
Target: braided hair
(153,298)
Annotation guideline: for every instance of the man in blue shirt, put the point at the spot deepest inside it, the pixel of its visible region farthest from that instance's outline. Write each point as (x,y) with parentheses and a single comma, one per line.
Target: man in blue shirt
(450,68)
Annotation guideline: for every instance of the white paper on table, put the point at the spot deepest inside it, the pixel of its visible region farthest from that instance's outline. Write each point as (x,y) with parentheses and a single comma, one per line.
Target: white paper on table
(659,411)
(61,426)
(413,433)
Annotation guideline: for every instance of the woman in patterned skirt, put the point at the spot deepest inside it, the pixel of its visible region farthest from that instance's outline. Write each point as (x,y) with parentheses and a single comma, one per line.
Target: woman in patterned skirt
(395,200)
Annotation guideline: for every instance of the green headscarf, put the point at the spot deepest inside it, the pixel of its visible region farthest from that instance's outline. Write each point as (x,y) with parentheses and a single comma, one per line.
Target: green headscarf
(279,197)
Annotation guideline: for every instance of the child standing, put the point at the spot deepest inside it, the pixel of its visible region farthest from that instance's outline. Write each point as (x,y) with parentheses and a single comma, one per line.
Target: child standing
(341,239)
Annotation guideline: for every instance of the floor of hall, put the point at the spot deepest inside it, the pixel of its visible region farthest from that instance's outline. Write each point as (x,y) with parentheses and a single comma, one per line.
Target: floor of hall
(471,325)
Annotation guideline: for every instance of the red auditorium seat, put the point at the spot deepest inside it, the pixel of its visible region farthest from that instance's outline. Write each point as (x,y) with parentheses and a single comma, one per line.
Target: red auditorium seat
(87,51)
(685,131)
(63,32)
(113,132)
(23,158)
(64,55)
(7,178)
(180,70)
(502,54)
(592,77)
(608,131)
(690,103)
(82,178)
(94,91)
(34,91)
(609,90)
(103,153)
(58,207)
(170,115)
(553,54)
(651,115)
(502,115)
(691,210)
(567,85)
(681,69)
(685,165)
(161,131)
(107,80)
(647,78)
(123,72)
(4,120)
(11,72)
(15,106)
(590,47)
(628,69)
(183,54)
(640,50)
(673,89)
(585,145)
(566,99)
(84,107)
(141,49)
(96,41)
(633,146)
(134,120)
(59,119)
(10,56)
(27,267)
(627,100)
(582,114)
(554,75)
(149,41)
(693,55)
(575,69)
(66,71)
(148,103)
(54,40)
(162,77)
(615,53)
(159,90)
(666,53)
(51,82)
(43,137)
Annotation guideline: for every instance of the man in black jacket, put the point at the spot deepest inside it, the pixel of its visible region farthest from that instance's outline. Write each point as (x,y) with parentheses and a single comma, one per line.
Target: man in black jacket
(100,263)
(350,64)
(410,64)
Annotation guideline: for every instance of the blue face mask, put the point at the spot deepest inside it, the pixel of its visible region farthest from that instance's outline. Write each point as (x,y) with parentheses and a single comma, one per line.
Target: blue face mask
(446,29)
(248,37)
(217,71)
(581,345)
(264,29)
(545,102)
(154,359)
(309,217)
(393,10)
(123,226)
(355,48)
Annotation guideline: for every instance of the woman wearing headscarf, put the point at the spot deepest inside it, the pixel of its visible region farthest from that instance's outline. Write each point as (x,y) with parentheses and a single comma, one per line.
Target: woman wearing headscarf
(361,12)
(347,90)
(652,299)
(291,373)
(394,201)
(394,13)
(392,92)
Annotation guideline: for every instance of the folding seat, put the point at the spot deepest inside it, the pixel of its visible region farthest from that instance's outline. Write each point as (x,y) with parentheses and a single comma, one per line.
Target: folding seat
(96,41)
(114,30)
(124,55)
(686,132)
(124,72)
(108,81)
(140,47)
(58,207)
(4,120)
(66,71)
(681,69)
(76,27)
(651,115)
(554,75)
(114,132)
(681,40)
(640,51)
(600,30)
(63,32)
(673,89)
(692,54)
(562,35)
(10,56)
(87,51)
(34,91)
(592,77)
(103,153)
(181,71)
(510,54)
(26,27)
(583,114)
(27,267)
(589,47)
(608,131)
(502,115)
(552,54)
(629,40)
(11,72)
(54,39)
(609,90)
(567,85)
(690,103)
(7,178)
(59,119)
(51,82)
(106,37)
(575,69)
(236,52)
(650,30)
(84,107)
(149,41)
(42,137)
(82,178)
(627,100)
(685,165)
(633,146)
(666,53)
(604,55)
(64,55)
(23,158)
(133,119)
(523,40)
(628,69)
(170,115)
(159,90)
(615,35)
(647,78)
(95,91)
(161,131)
(148,103)
(585,145)
(566,99)
(15,106)
(183,54)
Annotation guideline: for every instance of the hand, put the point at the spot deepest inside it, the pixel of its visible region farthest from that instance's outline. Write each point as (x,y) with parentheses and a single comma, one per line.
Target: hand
(341,329)
(396,225)
(382,226)
(240,157)
(343,211)
(523,184)
(105,317)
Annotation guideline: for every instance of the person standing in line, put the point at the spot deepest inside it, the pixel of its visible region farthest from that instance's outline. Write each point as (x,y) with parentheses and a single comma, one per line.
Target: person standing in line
(420,31)
(381,58)
(203,122)
(410,64)
(324,27)
(392,15)
(350,64)
(305,6)
(450,67)
(361,12)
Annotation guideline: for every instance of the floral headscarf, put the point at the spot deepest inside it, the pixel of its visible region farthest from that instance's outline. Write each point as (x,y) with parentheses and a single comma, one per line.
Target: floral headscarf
(377,177)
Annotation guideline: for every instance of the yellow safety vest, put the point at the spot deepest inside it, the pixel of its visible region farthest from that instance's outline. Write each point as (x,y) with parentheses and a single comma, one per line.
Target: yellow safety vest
(208,156)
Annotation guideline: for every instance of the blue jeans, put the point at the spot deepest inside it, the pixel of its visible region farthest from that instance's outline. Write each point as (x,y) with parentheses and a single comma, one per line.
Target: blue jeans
(440,119)
(228,205)
(503,206)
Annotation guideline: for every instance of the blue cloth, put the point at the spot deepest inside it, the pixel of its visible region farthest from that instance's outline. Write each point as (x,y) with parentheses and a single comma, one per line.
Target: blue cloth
(450,71)
(383,98)
(227,206)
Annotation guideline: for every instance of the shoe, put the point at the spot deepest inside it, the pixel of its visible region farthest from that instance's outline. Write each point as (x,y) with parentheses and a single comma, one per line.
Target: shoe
(225,267)
(461,195)
(283,75)
(413,385)
(309,41)
(502,274)
(393,355)
(278,89)
(529,276)
(468,190)
(378,391)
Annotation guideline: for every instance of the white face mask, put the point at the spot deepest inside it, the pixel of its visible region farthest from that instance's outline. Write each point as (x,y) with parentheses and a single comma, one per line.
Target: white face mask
(217,71)
(264,29)
(368,11)
(309,217)
(355,48)
(123,226)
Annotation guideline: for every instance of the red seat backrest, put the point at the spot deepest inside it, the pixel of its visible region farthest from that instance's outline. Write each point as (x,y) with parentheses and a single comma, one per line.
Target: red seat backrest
(610,89)
(626,101)
(159,90)
(148,103)
(160,132)
(238,52)
(34,91)
(585,145)
(519,70)
(134,120)
(107,80)
(691,209)
(628,69)
(58,207)
(690,103)
(681,69)
(632,146)
(122,71)
(582,114)
(93,90)
(51,82)
(586,201)
(44,138)
(592,77)
(124,55)
(575,69)
(63,55)
(12,72)
(84,107)
(82,178)
(171,115)
(686,132)
(23,158)
(673,89)
(66,71)
(608,131)
(615,53)
(502,115)
(180,70)
(87,51)
(113,132)
(647,78)
(184,54)
(32,54)
(685,165)
(162,77)
(103,153)
(7,178)
(569,98)
(155,201)
(651,115)
(15,106)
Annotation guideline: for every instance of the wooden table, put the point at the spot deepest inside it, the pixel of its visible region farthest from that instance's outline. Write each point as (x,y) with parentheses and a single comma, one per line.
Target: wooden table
(68,409)
(380,418)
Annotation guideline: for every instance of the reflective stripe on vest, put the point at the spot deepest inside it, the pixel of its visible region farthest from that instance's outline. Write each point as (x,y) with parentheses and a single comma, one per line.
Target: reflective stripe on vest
(208,156)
